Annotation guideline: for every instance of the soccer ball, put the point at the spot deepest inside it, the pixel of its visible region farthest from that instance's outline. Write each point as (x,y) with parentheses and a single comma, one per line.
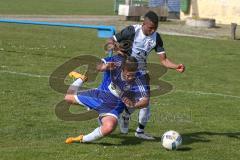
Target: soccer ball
(171,140)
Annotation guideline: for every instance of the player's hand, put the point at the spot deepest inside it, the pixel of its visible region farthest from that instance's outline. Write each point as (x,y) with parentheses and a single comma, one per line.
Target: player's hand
(180,68)
(128,102)
(111,66)
(110,41)
(110,45)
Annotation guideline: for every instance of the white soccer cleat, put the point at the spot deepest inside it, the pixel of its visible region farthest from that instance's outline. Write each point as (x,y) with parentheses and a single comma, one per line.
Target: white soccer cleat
(124,124)
(143,135)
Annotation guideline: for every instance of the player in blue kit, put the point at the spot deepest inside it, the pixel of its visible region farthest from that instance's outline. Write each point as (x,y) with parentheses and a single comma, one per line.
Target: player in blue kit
(122,86)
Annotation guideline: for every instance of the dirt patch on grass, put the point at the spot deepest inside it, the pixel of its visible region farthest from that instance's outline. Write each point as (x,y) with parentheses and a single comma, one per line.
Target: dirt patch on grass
(170,27)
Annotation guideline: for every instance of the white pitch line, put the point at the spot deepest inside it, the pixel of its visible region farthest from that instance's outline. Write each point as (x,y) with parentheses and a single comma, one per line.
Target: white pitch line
(182,91)
(208,93)
(24,74)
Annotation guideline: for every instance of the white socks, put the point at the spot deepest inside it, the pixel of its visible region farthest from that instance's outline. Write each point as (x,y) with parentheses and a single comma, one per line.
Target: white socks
(143,117)
(96,134)
(73,89)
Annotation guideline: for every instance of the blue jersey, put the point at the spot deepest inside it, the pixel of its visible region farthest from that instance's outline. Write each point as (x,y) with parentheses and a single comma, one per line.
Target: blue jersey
(107,98)
(107,74)
(114,82)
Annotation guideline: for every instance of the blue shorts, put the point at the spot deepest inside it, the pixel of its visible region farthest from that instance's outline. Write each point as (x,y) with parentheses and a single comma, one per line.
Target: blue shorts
(102,101)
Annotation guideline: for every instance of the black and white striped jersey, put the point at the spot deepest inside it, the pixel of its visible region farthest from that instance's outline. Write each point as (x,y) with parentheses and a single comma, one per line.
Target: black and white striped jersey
(142,44)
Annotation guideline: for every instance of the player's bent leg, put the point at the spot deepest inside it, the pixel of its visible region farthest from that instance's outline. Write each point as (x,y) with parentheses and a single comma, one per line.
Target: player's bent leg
(124,120)
(109,124)
(70,98)
(94,135)
(143,117)
(80,79)
(73,88)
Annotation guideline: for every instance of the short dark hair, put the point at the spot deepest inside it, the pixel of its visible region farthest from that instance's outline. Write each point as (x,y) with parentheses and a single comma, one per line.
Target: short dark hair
(152,16)
(130,64)
(126,46)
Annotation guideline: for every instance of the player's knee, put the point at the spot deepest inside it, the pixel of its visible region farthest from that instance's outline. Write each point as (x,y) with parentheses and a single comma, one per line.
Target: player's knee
(108,128)
(69,98)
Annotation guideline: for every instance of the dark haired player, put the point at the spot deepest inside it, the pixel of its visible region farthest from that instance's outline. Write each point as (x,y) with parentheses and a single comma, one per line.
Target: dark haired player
(145,39)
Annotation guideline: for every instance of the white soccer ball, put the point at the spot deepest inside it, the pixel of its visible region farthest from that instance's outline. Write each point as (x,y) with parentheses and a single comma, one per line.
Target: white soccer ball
(171,140)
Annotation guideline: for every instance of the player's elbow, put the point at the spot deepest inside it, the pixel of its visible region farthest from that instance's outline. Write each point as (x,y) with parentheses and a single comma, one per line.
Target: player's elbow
(100,68)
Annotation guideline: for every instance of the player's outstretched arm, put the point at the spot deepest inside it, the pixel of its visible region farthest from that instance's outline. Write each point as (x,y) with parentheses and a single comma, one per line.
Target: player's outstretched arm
(169,64)
(106,66)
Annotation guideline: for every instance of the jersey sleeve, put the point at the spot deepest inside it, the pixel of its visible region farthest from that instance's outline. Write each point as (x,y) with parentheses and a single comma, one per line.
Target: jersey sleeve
(106,59)
(141,88)
(159,45)
(116,58)
(127,33)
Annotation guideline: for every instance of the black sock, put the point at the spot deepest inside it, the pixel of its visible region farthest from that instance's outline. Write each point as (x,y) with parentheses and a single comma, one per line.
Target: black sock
(141,126)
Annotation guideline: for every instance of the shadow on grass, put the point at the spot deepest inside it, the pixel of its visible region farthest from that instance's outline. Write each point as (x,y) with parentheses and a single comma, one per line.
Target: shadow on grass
(126,139)
(188,138)
(184,149)
(196,137)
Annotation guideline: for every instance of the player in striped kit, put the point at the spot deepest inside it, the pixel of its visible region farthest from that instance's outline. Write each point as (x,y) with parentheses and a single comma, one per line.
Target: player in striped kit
(145,39)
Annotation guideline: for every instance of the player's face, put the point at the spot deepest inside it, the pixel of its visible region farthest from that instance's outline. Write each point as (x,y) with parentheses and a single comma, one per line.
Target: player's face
(148,27)
(129,76)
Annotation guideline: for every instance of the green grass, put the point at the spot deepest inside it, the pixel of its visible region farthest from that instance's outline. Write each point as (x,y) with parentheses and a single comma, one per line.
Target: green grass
(202,106)
(57,7)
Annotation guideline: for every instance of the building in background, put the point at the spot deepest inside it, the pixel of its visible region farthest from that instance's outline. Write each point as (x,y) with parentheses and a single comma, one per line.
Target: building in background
(223,11)
(172,5)
(170,8)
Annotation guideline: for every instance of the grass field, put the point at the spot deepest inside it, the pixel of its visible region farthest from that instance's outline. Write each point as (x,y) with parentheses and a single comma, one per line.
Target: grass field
(56,7)
(203,107)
